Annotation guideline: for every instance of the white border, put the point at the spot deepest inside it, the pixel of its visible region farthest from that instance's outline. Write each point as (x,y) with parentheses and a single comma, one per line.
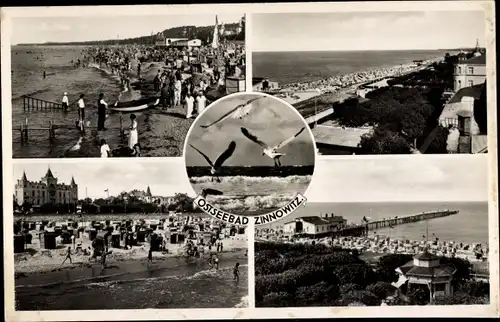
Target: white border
(491,310)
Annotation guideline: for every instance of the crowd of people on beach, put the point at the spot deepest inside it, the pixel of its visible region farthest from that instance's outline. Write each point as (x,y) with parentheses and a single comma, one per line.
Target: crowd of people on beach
(183,79)
(352,80)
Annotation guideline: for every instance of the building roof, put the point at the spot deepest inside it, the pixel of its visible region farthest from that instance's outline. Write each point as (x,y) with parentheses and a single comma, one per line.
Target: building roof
(471,91)
(477,60)
(73,180)
(315,220)
(426,256)
(24,178)
(409,269)
(348,137)
(49,174)
(479,144)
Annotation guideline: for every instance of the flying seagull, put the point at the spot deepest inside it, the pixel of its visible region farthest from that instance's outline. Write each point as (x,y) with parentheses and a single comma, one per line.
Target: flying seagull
(238,112)
(215,167)
(271,151)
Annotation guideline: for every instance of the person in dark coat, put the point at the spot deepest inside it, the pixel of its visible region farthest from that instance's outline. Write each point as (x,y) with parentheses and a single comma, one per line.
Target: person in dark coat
(101,113)
(164,96)
(157,81)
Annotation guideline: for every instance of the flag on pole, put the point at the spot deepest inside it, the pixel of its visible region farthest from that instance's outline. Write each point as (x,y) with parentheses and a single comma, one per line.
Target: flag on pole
(215,39)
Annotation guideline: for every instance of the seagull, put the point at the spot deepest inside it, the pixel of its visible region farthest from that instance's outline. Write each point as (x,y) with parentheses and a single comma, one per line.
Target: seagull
(238,112)
(78,145)
(215,167)
(271,151)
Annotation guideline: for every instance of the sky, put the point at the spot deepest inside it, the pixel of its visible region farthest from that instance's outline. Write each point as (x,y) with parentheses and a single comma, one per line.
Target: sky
(165,178)
(66,29)
(367,30)
(394,179)
(270,127)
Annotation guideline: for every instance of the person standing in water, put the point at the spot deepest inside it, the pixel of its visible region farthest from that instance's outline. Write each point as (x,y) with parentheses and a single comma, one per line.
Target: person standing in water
(133,136)
(68,256)
(236,272)
(65,101)
(101,113)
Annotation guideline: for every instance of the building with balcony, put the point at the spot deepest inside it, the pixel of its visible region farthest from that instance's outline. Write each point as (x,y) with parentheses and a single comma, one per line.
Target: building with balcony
(46,191)
(470,72)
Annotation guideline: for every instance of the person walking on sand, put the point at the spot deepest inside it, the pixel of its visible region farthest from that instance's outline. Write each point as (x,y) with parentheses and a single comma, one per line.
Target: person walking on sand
(156,81)
(133,136)
(105,150)
(177,92)
(216,262)
(65,102)
(221,246)
(150,256)
(164,96)
(189,106)
(68,256)
(101,113)
(236,272)
(103,259)
(201,102)
(81,109)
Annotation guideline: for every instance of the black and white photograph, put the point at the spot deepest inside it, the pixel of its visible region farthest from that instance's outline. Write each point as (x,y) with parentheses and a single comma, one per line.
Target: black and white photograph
(394,82)
(120,235)
(394,232)
(119,86)
(250,154)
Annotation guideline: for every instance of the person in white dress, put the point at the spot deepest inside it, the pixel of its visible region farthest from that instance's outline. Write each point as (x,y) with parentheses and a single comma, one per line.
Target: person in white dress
(177,92)
(133,136)
(189,105)
(201,102)
(65,101)
(105,150)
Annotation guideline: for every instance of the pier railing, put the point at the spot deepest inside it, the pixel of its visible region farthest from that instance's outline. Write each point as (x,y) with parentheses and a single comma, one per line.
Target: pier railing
(26,130)
(36,104)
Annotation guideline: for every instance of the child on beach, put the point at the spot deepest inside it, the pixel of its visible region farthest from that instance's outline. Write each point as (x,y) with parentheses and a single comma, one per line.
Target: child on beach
(236,272)
(105,150)
(133,137)
(68,256)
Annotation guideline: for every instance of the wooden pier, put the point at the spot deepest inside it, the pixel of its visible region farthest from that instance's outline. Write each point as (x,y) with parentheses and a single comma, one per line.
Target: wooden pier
(25,130)
(363,229)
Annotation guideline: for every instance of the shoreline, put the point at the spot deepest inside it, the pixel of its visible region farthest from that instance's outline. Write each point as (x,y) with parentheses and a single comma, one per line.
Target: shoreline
(342,85)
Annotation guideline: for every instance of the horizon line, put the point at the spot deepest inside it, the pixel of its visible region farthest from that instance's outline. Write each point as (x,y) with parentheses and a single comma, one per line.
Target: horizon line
(327,50)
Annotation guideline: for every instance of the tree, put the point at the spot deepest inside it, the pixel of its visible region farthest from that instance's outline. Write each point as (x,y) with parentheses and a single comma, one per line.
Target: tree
(381,289)
(419,295)
(383,142)
(360,296)
(480,112)
(316,295)
(26,206)
(387,265)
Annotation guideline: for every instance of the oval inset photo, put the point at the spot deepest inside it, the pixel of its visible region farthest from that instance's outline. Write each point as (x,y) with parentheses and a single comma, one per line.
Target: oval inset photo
(249,154)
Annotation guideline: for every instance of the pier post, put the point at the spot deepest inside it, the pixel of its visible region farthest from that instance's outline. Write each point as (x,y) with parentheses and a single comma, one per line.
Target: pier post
(22,133)
(122,132)
(24,103)
(26,130)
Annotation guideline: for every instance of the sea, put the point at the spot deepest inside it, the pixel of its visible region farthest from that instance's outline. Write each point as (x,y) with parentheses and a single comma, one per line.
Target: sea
(176,284)
(28,65)
(306,66)
(470,225)
(252,190)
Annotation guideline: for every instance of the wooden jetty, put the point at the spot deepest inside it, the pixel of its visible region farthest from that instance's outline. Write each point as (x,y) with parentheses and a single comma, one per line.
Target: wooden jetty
(363,229)
(25,130)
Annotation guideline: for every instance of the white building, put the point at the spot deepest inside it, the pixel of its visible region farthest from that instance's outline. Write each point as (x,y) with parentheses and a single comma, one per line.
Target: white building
(314,225)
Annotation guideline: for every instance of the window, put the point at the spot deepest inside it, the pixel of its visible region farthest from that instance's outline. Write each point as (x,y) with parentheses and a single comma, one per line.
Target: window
(470,83)
(459,70)
(459,83)
(33,193)
(470,70)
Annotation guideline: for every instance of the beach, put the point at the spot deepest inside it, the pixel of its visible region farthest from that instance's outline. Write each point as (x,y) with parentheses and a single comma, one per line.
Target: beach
(43,282)
(334,76)
(114,72)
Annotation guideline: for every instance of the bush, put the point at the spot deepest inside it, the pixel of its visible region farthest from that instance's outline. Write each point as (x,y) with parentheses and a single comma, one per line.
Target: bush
(361,296)
(320,294)
(361,274)
(281,299)
(381,289)
(460,298)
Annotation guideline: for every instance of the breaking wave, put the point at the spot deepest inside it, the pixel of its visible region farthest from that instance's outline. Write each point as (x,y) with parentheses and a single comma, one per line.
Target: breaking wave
(248,180)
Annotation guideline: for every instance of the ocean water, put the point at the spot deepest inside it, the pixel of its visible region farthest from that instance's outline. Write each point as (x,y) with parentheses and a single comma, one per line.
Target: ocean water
(191,285)
(300,66)
(246,195)
(100,217)
(470,225)
(28,64)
